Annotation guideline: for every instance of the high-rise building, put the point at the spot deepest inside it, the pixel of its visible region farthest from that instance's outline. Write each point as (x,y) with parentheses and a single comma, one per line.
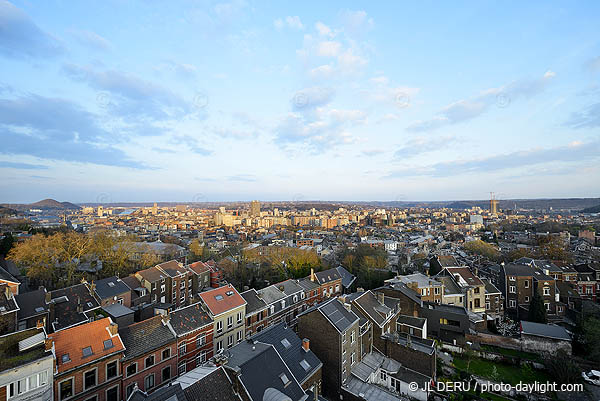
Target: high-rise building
(255,208)
(493,204)
(155,209)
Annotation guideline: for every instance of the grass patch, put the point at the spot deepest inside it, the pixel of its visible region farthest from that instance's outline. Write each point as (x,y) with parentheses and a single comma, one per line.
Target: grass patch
(512,352)
(504,373)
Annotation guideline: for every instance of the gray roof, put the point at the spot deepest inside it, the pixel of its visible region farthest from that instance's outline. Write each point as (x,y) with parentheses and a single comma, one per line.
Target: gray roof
(145,336)
(347,277)
(370,392)
(253,302)
(369,303)
(514,269)
(110,287)
(262,368)
(412,321)
(213,386)
(290,287)
(117,310)
(270,294)
(307,284)
(544,330)
(327,276)
(6,276)
(188,319)
(31,304)
(291,352)
(490,288)
(340,317)
(172,392)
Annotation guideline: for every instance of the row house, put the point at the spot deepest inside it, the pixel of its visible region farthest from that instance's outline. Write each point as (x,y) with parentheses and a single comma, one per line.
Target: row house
(200,276)
(88,362)
(228,310)
(311,291)
(194,329)
(26,366)
(112,290)
(294,300)
(330,282)
(470,285)
(8,310)
(275,301)
(150,359)
(494,301)
(333,332)
(588,281)
(168,283)
(426,287)
(256,312)
(71,306)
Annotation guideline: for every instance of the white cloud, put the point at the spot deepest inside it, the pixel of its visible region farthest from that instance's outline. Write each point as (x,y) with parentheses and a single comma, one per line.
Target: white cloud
(325,71)
(292,22)
(329,49)
(323,29)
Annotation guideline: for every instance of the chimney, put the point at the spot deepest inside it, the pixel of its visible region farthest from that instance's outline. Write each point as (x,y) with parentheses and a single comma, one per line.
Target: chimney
(306,344)
(8,292)
(92,288)
(381,297)
(48,297)
(48,343)
(79,306)
(312,274)
(167,316)
(113,329)
(39,324)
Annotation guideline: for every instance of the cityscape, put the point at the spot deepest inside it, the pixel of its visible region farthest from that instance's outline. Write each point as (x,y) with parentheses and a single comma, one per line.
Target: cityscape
(242,201)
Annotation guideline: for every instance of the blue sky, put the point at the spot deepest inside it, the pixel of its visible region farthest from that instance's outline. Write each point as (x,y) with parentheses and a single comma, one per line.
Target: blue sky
(118,101)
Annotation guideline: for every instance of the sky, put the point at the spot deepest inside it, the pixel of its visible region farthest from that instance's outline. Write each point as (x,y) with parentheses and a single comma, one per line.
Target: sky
(194,101)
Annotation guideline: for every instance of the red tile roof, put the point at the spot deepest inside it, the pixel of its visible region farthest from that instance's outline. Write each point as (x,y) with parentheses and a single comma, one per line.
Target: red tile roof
(222,299)
(199,267)
(72,342)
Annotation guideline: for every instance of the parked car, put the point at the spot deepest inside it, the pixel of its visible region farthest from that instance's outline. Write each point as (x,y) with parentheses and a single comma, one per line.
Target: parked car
(593,377)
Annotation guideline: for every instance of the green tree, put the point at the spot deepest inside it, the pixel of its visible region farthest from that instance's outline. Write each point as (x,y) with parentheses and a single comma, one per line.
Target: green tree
(591,337)
(537,310)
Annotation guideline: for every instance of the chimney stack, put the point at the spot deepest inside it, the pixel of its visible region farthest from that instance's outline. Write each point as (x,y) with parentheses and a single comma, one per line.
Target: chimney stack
(113,329)
(312,274)
(48,343)
(381,297)
(48,297)
(79,306)
(306,344)
(92,288)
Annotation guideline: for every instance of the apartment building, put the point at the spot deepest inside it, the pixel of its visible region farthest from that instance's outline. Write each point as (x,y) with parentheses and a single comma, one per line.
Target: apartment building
(194,329)
(228,310)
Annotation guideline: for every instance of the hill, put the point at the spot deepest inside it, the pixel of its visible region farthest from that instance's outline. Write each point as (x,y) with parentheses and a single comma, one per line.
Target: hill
(46,204)
(593,209)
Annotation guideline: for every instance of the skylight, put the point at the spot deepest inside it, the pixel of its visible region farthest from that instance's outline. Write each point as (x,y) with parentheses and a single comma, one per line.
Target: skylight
(111,284)
(108,344)
(65,358)
(284,379)
(286,343)
(219,297)
(304,364)
(87,351)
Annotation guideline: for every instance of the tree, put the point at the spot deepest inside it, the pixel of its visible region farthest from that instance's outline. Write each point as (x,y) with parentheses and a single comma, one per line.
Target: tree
(196,250)
(562,368)
(591,337)
(537,309)
(480,247)
(6,244)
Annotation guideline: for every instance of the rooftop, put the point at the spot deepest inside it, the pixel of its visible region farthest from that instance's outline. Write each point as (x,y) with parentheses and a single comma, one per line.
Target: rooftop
(145,336)
(11,357)
(222,299)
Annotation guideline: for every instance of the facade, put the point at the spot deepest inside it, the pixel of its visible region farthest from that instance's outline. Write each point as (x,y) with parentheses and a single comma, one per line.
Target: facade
(200,277)
(426,287)
(256,312)
(112,290)
(194,329)
(228,310)
(494,301)
(470,286)
(26,366)
(333,332)
(150,358)
(330,283)
(88,362)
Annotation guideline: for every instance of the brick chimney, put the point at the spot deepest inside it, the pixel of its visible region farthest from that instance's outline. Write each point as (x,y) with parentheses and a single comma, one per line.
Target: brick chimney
(79,305)
(167,316)
(312,275)
(381,298)
(48,343)
(113,329)
(48,297)
(92,288)
(306,344)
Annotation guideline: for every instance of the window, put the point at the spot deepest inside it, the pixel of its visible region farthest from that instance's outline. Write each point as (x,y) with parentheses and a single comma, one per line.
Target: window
(166,353)
(305,365)
(149,361)
(423,291)
(89,379)
(383,376)
(272,309)
(436,290)
(337,288)
(230,341)
(111,369)
(283,304)
(182,349)
(149,382)
(131,369)
(240,336)
(352,358)
(108,344)
(302,295)
(284,379)
(526,299)
(200,340)
(87,351)
(65,388)
(181,369)
(163,288)
(166,373)
(286,344)
(526,283)
(477,302)
(512,303)
(546,290)
(547,305)
(476,291)
(182,284)
(352,337)
(344,338)
(200,358)
(220,346)
(112,394)
(239,317)
(487,305)
(513,289)
(229,322)
(219,326)
(129,389)
(295,298)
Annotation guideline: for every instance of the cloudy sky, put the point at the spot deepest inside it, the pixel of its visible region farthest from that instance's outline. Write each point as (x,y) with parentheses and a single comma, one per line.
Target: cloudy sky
(117,101)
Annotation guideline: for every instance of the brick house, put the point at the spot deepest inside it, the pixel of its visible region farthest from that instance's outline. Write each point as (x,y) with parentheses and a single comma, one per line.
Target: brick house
(112,290)
(200,276)
(88,362)
(516,284)
(150,358)
(330,283)
(256,312)
(194,329)
(179,283)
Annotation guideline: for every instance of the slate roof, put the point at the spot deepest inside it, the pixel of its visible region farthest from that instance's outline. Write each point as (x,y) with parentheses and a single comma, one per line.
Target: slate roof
(188,319)
(308,285)
(347,277)
(110,287)
(412,321)
(447,261)
(73,340)
(6,276)
(215,386)
(515,269)
(7,304)
(172,268)
(31,304)
(172,392)
(117,310)
(222,299)
(132,282)
(152,274)
(261,368)
(65,305)
(336,313)
(490,288)
(289,287)
(270,294)
(253,302)
(466,274)
(369,304)
(404,290)
(145,336)
(293,354)
(327,276)
(544,330)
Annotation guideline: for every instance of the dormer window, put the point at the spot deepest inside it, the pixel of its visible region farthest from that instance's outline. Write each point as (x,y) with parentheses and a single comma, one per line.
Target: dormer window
(87,351)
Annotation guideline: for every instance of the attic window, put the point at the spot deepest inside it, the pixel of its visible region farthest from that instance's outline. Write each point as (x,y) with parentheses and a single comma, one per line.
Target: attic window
(108,344)
(39,309)
(229,293)
(284,379)
(87,351)
(219,297)
(304,364)
(65,358)
(111,284)
(286,343)
(90,305)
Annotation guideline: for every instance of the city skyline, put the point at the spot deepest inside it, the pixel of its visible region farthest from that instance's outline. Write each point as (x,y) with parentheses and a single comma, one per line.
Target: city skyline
(225,101)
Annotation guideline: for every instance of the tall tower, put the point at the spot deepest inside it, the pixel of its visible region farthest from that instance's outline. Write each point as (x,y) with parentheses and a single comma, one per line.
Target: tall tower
(155,209)
(493,204)
(255,208)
